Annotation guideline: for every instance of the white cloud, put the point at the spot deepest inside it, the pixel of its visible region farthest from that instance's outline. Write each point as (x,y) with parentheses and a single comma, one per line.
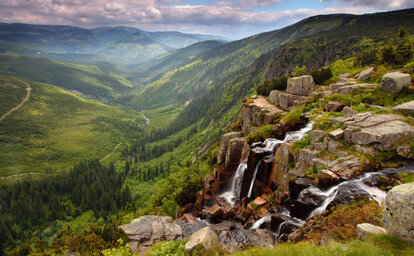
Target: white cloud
(258,2)
(380,4)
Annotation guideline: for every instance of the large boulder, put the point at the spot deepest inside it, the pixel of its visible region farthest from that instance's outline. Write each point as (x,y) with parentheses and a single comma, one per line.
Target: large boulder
(407,107)
(366,74)
(364,230)
(301,86)
(278,175)
(398,215)
(148,230)
(286,100)
(205,237)
(395,82)
(333,106)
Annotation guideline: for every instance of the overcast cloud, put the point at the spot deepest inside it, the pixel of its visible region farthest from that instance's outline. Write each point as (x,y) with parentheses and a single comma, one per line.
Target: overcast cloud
(228,18)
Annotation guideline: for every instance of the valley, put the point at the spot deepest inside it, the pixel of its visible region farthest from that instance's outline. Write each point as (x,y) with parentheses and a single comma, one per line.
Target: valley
(117,141)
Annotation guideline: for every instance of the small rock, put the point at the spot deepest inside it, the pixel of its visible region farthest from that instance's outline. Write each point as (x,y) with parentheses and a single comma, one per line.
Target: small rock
(204,237)
(395,82)
(364,230)
(347,112)
(407,107)
(337,134)
(366,74)
(260,201)
(333,106)
(215,211)
(327,178)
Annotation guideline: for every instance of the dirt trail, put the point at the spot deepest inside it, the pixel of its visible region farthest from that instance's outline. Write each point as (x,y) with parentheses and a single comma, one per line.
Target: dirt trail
(28,89)
(113,151)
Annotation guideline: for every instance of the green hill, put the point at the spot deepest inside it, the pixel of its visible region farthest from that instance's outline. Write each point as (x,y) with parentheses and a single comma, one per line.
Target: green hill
(88,81)
(54,129)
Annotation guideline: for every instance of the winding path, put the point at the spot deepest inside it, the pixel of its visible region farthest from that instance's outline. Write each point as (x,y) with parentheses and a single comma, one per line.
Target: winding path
(117,146)
(28,89)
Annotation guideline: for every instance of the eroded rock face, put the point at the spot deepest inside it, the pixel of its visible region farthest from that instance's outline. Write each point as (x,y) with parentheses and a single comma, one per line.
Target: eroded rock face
(234,153)
(395,82)
(301,86)
(398,215)
(258,112)
(286,100)
(280,167)
(148,230)
(224,145)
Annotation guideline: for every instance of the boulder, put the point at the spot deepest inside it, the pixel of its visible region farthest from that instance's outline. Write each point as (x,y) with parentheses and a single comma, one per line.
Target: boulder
(205,237)
(215,211)
(336,134)
(327,178)
(364,230)
(348,89)
(395,82)
(301,86)
(316,136)
(333,106)
(234,152)
(398,215)
(366,74)
(297,185)
(188,228)
(260,201)
(347,112)
(286,100)
(407,107)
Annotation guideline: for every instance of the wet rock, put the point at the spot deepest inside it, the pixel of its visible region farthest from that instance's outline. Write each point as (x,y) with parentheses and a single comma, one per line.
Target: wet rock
(364,230)
(305,158)
(398,215)
(301,86)
(241,238)
(297,185)
(344,163)
(327,178)
(333,106)
(215,211)
(407,107)
(349,192)
(205,237)
(395,82)
(336,134)
(347,112)
(276,220)
(278,175)
(365,75)
(308,200)
(288,227)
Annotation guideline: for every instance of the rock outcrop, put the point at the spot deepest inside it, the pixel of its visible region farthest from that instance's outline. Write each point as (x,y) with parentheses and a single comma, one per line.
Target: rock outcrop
(365,75)
(395,82)
(301,86)
(224,145)
(279,172)
(398,215)
(286,100)
(257,112)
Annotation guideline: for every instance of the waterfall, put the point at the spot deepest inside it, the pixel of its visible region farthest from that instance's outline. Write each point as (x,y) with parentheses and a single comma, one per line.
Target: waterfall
(234,193)
(254,178)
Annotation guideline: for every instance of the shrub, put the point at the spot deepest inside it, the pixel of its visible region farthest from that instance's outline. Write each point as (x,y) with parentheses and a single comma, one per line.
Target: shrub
(300,144)
(260,134)
(388,54)
(323,122)
(269,85)
(367,57)
(299,71)
(321,75)
(293,117)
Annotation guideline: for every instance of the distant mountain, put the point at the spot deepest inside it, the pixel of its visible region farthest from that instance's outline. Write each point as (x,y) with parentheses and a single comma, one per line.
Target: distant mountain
(155,68)
(118,44)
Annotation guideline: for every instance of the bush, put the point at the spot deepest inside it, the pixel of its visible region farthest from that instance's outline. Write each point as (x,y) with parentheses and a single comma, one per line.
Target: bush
(367,58)
(323,122)
(388,54)
(299,71)
(260,134)
(293,117)
(321,75)
(269,85)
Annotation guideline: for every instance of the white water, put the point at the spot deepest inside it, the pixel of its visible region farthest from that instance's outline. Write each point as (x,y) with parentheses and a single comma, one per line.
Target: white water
(259,222)
(236,182)
(254,178)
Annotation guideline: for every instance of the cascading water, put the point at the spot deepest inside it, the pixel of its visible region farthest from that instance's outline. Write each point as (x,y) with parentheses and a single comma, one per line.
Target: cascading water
(234,193)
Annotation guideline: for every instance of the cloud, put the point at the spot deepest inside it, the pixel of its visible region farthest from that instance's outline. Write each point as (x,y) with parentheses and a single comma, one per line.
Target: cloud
(258,2)
(380,4)
(222,17)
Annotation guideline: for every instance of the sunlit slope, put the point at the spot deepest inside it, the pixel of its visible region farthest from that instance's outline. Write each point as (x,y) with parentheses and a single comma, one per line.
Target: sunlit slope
(88,80)
(54,128)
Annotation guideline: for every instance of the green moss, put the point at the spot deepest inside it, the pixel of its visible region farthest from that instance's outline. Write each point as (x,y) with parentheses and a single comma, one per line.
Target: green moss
(300,144)
(260,134)
(406,177)
(293,117)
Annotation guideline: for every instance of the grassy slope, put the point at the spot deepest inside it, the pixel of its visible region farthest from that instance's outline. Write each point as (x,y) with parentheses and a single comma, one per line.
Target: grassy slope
(54,129)
(89,80)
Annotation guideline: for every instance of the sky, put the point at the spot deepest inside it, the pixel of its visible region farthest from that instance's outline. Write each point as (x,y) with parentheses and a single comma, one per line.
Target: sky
(233,19)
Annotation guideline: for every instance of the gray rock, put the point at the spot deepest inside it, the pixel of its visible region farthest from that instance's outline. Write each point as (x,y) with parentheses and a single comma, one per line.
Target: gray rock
(273,97)
(366,74)
(333,106)
(316,136)
(286,100)
(395,82)
(346,75)
(336,85)
(407,107)
(348,89)
(398,215)
(280,166)
(204,237)
(225,139)
(301,86)
(347,112)
(337,134)
(364,230)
